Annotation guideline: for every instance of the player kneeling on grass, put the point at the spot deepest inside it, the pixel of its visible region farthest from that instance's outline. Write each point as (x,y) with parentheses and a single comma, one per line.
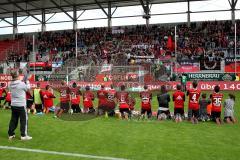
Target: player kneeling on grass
(193,104)
(111,95)
(75,98)
(163,102)
(131,102)
(178,98)
(7,100)
(3,93)
(88,98)
(102,100)
(203,103)
(64,99)
(37,99)
(146,98)
(29,102)
(48,99)
(122,97)
(229,109)
(216,99)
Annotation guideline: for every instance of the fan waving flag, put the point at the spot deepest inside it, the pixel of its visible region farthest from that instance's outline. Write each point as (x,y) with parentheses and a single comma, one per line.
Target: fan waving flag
(170,44)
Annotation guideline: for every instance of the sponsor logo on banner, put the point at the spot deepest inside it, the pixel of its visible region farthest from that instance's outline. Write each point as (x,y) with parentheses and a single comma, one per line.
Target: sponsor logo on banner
(211,76)
(232,59)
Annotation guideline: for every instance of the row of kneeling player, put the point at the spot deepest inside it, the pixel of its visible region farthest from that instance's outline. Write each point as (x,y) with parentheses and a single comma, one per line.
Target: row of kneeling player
(199,106)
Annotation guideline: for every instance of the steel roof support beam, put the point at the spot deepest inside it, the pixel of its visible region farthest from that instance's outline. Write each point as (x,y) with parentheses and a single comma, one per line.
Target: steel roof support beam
(100,6)
(24,10)
(12,2)
(81,14)
(68,2)
(43,21)
(146,10)
(15,25)
(233,4)
(3,19)
(75,25)
(59,7)
(114,11)
(188,14)
(4,9)
(109,14)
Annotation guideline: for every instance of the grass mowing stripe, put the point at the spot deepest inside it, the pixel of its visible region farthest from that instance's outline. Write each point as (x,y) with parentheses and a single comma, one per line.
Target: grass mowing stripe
(59,153)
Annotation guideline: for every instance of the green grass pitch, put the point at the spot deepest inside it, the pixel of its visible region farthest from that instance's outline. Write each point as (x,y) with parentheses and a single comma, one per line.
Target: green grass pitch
(112,137)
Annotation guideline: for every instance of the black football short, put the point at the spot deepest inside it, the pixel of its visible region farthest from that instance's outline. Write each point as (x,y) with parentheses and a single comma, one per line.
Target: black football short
(64,106)
(179,111)
(149,111)
(195,113)
(215,115)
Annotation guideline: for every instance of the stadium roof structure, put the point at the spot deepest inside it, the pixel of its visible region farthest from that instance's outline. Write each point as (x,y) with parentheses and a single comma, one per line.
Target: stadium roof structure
(35,7)
(17,8)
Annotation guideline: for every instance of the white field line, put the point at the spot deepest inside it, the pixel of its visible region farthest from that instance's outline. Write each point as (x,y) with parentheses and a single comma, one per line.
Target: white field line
(59,153)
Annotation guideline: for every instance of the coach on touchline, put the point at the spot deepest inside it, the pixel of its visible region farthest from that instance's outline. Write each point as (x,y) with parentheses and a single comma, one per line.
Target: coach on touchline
(18,91)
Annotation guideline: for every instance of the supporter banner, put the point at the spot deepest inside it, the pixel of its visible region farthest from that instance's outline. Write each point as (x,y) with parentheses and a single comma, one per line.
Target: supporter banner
(186,68)
(210,64)
(211,76)
(206,86)
(40,66)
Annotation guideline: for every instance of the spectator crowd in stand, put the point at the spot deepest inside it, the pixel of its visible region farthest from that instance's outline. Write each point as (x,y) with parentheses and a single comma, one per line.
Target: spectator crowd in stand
(104,44)
(135,44)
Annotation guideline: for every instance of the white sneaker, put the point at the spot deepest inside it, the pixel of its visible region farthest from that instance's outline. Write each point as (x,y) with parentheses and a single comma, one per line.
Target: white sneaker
(11,137)
(26,138)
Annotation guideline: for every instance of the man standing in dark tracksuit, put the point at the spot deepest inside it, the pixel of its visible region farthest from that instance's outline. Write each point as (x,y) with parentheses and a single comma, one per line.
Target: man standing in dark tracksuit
(18,90)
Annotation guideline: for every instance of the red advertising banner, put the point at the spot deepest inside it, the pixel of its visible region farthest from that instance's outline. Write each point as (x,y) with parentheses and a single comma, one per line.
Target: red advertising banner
(135,86)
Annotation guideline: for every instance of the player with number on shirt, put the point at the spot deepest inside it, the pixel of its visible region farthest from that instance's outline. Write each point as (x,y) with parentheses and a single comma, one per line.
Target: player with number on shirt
(216,98)
(178,99)
(88,98)
(193,104)
(75,98)
(111,95)
(102,100)
(122,97)
(146,98)
(64,98)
